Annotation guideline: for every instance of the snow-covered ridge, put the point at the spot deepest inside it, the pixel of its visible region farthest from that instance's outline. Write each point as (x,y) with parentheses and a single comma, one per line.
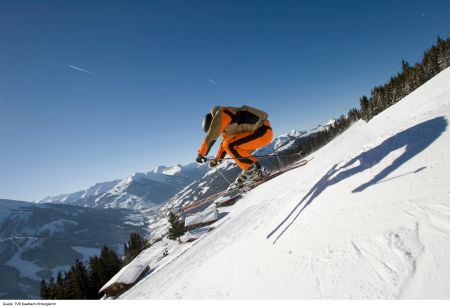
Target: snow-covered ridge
(137,191)
(92,191)
(162,173)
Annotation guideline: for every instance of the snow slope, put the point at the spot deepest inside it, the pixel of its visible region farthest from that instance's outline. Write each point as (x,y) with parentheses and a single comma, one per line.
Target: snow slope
(368,217)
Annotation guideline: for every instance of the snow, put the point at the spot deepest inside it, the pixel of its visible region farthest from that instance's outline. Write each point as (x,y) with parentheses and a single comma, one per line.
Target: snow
(154,258)
(204,190)
(206,216)
(159,169)
(331,122)
(173,170)
(52,228)
(95,190)
(129,273)
(135,177)
(368,217)
(26,268)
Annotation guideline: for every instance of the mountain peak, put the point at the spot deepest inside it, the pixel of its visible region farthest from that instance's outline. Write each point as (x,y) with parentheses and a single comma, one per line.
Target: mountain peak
(160,169)
(173,170)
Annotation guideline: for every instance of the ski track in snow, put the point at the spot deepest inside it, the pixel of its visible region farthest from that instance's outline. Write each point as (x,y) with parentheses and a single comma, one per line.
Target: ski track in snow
(369,217)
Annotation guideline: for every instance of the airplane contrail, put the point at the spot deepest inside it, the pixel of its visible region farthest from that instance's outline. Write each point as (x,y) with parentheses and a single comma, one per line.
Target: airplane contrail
(212,81)
(81,69)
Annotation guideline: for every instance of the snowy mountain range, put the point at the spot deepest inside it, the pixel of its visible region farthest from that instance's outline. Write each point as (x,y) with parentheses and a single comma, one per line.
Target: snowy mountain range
(85,198)
(137,191)
(368,217)
(38,240)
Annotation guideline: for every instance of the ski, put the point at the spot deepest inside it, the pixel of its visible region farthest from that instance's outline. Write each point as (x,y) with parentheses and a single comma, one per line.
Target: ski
(228,201)
(234,193)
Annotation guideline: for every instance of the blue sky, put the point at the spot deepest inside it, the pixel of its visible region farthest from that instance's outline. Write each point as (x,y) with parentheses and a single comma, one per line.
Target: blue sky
(154,68)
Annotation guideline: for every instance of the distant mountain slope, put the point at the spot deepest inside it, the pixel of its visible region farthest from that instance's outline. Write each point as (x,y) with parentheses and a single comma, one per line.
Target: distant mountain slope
(137,191)
(38,240)
(85,198)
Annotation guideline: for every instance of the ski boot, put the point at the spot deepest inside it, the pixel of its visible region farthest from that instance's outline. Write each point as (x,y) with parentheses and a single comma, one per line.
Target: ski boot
(254,173)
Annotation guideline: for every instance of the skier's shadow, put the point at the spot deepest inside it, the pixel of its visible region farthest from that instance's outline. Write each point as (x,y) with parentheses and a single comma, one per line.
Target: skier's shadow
(414,140)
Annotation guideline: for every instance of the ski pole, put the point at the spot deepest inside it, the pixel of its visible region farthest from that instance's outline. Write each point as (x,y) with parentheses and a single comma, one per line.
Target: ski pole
(229,182)
(278,158)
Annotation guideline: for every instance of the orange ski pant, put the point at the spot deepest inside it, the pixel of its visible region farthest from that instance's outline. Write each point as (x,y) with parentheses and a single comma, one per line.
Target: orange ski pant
(241,146)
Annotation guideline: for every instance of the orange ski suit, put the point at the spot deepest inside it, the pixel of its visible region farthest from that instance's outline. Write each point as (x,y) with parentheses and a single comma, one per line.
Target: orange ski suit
(238,145)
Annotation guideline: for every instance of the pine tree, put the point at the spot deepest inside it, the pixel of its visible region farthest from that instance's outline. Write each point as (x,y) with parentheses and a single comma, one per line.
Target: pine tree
(44,293)
(134,247)
(104,267)
(68,291)
(364,107)
(80,282)
(176,229)
(60,287)
(353,115)
(443,54)
(51,289)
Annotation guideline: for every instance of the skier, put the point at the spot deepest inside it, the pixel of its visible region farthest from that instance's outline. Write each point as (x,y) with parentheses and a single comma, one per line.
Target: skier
(244,130)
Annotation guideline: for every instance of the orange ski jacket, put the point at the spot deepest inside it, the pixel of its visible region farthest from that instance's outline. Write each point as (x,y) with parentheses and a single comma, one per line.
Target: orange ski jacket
(230,121)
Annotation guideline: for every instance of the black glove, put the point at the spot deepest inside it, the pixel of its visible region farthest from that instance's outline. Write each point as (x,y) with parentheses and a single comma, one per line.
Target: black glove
(200,159)
(214,162)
